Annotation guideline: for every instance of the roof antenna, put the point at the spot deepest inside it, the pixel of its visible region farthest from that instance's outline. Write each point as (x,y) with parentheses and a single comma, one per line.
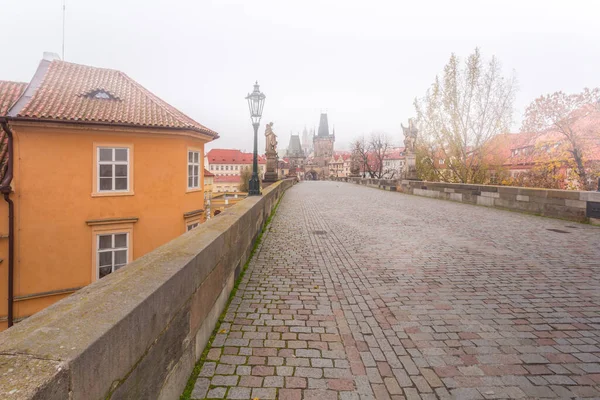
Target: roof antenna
(63,32)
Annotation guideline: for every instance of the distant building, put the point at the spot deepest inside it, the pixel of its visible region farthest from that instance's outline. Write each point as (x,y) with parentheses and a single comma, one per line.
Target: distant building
(227,165)
(393,163)
(306,143)
(323,142)
(294,153)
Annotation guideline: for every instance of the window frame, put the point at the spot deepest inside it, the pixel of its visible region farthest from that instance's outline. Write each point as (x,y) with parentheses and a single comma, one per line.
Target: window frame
(200,165)
(196,219)
(96,192)
(192,225)
(111,250)
(113,163)
(106,229)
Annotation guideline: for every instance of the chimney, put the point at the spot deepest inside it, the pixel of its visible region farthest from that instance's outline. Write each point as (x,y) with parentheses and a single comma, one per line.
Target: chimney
(49,56)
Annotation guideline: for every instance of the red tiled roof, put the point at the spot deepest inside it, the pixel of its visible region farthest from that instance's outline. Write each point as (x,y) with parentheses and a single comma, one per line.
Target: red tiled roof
(227,178)
(208,173)
(231,156)
(9,93)
(68,92)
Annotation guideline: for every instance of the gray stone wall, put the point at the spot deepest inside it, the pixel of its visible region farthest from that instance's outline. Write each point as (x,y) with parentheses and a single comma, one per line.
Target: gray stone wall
(565,204)
(137,333)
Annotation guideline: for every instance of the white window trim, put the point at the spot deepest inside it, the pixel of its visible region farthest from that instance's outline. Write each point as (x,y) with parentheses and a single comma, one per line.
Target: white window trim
(96,170)
(113,163)
(192,225)
(112,249)
(200,186)
(193,164)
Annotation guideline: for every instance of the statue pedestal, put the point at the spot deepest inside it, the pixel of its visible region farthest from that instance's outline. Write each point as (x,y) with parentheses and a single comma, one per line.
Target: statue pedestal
(410,167)
(271,168)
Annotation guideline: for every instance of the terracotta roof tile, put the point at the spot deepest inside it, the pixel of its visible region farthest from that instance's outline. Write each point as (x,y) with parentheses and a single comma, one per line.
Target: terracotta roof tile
(9,93)
(208,173)
(227,178)
(231,156)
(74,92)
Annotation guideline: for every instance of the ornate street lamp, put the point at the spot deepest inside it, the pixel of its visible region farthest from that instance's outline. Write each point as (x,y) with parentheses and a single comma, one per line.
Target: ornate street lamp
(256,102)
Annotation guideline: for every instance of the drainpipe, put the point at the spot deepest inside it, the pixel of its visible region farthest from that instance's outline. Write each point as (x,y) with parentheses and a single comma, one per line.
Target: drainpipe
(5,189)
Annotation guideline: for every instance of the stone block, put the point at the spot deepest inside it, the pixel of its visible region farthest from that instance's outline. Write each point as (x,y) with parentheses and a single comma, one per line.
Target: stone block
(490,194)
(575,203)
(485,201)
(589,196)
(504,203)
(426,193)
(522,198)
(456,196)
(563,194)
(25,377)
(448,190)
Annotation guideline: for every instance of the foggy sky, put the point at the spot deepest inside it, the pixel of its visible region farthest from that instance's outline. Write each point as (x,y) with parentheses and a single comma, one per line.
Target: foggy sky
(363,62)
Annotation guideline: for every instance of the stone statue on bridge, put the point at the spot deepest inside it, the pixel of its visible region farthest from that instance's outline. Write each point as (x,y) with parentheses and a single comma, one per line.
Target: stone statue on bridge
(410,136)
(271,139)
(271,153)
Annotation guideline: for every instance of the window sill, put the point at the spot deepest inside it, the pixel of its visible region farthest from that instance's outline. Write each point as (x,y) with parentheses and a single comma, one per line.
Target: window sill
(192,190)
(111,194)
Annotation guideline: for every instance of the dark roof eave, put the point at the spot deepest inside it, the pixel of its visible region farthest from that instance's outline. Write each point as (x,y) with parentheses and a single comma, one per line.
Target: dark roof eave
(207,132)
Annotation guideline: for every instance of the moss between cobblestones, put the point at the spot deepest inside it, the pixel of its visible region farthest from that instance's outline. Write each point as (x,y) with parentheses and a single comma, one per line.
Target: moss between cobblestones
(187,393)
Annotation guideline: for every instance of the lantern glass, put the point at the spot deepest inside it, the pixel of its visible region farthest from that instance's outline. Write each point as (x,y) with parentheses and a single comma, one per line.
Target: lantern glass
(256,102)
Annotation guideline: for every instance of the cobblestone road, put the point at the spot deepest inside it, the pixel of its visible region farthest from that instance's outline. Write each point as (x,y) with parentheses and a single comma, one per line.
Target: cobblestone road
(358,293)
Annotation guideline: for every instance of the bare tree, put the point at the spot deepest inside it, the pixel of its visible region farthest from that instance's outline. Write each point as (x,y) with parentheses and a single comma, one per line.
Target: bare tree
(576,117)
(379,147)
(372,155)
(360,153)
(461,112)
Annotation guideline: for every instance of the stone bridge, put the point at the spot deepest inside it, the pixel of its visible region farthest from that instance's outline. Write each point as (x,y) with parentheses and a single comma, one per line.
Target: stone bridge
(361,293)
(353,293)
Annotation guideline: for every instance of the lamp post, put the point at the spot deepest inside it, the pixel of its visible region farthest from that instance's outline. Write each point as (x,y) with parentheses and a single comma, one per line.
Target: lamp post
(256,102)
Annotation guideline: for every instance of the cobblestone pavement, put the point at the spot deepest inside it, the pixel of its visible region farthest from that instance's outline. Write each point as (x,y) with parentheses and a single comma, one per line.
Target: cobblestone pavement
(358,293)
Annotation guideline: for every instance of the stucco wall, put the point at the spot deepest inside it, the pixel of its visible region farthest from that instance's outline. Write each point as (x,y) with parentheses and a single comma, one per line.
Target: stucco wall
(136,333)
(566,204)
(53,185)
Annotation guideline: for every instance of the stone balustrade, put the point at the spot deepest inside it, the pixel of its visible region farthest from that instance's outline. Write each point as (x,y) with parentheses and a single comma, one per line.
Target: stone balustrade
(136,333)
(566,204)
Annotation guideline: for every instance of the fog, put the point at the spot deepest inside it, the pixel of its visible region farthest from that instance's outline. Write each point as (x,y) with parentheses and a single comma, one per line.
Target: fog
(361,62)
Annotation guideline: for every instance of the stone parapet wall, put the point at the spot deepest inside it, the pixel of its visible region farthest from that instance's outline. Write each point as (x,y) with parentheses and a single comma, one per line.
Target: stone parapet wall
(136,333)
(565,204)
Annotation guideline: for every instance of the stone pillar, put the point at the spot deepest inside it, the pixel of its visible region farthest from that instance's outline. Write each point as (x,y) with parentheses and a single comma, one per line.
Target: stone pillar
(410,167)
(271,168)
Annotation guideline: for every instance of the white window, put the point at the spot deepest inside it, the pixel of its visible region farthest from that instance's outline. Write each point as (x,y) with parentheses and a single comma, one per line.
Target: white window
(192,226)
(193,169)
(112,252)
(441,161)
(113,169)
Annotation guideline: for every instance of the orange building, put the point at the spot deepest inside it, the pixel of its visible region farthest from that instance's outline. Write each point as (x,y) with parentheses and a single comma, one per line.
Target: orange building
(100,172)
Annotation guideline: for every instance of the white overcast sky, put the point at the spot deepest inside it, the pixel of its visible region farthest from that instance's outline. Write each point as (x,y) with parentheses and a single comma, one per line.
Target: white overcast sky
(363,62)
